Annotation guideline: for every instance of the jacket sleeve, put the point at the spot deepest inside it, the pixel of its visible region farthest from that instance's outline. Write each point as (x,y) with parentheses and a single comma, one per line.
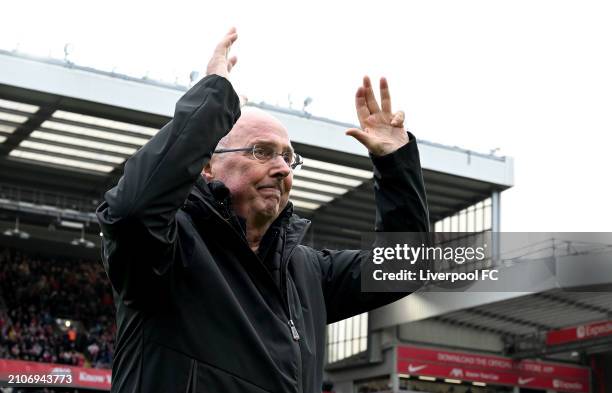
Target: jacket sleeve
(137,216)
(401,206)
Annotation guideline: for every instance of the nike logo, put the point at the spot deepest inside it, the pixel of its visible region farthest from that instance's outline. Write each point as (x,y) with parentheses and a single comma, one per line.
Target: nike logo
(522,381)
(414,369)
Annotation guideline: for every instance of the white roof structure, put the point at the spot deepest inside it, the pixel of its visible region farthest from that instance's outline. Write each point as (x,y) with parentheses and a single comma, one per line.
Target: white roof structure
(67,130)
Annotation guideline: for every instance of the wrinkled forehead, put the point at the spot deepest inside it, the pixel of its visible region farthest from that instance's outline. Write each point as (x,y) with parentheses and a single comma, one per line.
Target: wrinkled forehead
(256,126)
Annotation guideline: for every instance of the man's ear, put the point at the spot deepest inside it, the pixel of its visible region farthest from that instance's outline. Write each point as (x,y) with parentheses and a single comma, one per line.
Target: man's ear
(207,172)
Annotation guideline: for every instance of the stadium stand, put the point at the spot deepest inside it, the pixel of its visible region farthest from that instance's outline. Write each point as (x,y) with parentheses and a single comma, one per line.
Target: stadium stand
(55,310)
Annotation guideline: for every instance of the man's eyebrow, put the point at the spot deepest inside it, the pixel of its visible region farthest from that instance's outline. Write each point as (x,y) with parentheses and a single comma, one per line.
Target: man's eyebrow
(269,143)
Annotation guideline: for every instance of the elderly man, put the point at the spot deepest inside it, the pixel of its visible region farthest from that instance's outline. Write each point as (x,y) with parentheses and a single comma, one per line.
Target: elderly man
(214,292)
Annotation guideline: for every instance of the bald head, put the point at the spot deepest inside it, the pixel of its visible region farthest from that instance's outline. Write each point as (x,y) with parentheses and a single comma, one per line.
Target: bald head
(252,122)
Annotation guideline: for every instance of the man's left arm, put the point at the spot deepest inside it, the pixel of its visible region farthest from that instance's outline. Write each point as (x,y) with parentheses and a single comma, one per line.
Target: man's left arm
(401,203)
(401,206)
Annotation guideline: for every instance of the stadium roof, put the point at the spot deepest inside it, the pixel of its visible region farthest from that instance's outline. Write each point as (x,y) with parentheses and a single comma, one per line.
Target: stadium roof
(66,131)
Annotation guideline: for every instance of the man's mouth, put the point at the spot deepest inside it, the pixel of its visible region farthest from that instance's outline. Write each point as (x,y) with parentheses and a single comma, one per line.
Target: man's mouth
(270,188)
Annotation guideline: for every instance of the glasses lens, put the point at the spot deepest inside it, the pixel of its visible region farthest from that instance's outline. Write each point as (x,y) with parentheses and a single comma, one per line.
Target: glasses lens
(288,157)
(297,162)
(263,153)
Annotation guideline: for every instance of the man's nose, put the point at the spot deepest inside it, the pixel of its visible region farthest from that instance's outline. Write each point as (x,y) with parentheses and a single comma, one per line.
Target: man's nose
(279,168)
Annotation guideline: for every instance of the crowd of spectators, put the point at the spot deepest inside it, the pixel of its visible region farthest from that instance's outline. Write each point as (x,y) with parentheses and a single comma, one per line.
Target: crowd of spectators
(39,295)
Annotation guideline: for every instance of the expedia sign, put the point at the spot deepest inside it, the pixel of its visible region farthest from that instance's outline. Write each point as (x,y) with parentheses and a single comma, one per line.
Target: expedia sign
(579,333)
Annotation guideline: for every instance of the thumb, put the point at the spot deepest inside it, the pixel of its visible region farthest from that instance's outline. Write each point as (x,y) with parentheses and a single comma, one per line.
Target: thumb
(363,137)
(398,119)
(231,63)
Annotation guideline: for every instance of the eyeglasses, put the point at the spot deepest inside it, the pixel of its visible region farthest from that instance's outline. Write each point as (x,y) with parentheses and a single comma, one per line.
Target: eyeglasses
(264,153)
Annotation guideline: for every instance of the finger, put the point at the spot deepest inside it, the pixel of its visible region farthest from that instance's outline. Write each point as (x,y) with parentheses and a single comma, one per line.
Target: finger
(385,96)
(229,41)
(370,98)
(231,63)
(398,119)
(224,45)
(361,106)
(231,35)
(363,137)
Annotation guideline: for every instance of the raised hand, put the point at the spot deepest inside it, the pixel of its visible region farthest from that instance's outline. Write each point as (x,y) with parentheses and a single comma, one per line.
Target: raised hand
(382,132)
(219,63)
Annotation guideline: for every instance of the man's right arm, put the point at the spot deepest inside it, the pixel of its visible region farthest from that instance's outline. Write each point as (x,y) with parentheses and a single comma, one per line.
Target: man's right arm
(158,178)
(137,216)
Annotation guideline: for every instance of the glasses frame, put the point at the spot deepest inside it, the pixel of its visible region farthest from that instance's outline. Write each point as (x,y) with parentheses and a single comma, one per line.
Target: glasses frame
(297,159)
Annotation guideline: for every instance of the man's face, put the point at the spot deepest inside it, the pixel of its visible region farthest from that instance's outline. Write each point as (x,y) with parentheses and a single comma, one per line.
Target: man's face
(260,190)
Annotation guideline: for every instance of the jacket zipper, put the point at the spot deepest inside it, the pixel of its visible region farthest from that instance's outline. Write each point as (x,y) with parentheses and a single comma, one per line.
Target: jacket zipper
(285,290)
(294,332)
(284,280)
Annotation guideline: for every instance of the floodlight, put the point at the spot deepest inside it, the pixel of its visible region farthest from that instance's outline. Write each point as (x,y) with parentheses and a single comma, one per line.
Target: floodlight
(16,232)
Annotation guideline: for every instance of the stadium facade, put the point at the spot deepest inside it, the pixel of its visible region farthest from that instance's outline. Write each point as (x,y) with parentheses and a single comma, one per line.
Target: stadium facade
(66,131)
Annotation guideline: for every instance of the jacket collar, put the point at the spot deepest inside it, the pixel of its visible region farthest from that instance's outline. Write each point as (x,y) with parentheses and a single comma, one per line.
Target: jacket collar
(218,196)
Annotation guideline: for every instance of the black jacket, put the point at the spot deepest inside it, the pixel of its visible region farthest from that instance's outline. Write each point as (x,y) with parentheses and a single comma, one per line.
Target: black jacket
(197,310)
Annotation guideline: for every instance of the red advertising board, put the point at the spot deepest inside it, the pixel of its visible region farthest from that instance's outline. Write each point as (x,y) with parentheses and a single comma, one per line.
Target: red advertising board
(492,369)
(19,373)
(579,333)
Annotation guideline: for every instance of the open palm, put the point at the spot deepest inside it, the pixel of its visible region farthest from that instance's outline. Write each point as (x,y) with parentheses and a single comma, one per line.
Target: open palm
(382,132)
(219,62)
